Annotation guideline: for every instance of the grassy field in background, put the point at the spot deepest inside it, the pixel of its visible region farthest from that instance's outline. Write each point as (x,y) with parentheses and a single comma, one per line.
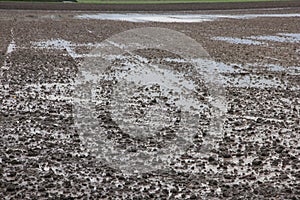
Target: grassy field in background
(141,1)
(165,1)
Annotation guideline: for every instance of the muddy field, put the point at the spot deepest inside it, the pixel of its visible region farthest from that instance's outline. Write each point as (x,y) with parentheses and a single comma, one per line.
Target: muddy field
(45,143)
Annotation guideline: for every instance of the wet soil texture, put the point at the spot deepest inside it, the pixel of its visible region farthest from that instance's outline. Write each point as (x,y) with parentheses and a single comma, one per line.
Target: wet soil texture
(42,153)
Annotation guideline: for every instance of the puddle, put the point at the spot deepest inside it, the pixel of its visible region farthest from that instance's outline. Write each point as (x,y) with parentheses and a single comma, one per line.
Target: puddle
(230,73)
(238,40)
(11,47)
(147,17)
(66,45)
(296,36)
(170,81)
(237,75)
(280,37)
(262,39)
(171,18)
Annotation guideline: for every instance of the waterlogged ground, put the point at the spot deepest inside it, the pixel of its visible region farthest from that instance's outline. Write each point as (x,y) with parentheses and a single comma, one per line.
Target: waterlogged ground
(154,140)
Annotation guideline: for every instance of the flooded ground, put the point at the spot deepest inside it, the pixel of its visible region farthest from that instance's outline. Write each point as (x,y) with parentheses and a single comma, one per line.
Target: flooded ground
(263,39)
(183,18)
(50,147)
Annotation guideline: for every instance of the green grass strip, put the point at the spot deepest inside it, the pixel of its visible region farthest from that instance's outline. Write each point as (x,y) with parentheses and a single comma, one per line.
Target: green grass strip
(165,1)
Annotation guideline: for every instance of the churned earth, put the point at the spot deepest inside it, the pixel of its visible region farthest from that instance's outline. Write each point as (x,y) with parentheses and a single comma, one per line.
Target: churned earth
(45,152)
